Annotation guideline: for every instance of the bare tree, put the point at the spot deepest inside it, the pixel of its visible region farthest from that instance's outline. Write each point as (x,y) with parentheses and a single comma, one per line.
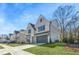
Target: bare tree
(62,15)
(78,34)
(16,32)
(10,35)
(77,29)
(72,24)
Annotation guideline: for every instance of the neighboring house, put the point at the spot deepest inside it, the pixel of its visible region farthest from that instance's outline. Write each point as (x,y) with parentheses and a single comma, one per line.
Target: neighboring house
(22,37)
(12,37)
(30,33)
(16,36)
(3,38)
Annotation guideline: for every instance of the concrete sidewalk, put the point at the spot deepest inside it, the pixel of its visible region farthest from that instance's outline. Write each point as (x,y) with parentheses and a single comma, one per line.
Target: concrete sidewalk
(15,50)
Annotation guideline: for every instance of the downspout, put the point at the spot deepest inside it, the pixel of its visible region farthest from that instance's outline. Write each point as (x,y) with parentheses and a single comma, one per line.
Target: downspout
(50,31)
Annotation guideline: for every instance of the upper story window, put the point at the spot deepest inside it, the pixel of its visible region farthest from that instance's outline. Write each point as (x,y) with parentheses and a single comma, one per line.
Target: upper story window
(29,31)
(41,20)
(41,28)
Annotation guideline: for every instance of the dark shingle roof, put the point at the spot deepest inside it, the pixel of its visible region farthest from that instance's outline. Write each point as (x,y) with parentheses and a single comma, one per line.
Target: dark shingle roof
(16,32)
(33,26)
(22,30)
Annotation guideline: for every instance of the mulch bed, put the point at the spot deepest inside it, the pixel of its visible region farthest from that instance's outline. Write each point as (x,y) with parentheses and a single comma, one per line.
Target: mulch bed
(72,48)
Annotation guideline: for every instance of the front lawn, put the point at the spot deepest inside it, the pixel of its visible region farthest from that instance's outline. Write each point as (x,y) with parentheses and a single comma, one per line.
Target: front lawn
(7,54)
(14,44)
(1,47)
(51,49)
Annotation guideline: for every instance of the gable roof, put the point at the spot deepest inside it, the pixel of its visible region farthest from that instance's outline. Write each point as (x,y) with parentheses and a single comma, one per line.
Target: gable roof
(16,32)
(22,30)
(33,26)
(42,17)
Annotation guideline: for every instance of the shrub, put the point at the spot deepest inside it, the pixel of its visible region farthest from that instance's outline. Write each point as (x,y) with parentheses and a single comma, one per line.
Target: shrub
(65,40)
(57,41)
(71,41)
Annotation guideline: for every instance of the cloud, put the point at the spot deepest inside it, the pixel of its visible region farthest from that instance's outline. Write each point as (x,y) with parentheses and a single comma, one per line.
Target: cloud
(2,21)
(24,19)
(6,27)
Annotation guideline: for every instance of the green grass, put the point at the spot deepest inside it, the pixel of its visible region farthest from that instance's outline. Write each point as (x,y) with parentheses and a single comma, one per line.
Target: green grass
(51,49)
(7,54)
(14,44)
(1,47)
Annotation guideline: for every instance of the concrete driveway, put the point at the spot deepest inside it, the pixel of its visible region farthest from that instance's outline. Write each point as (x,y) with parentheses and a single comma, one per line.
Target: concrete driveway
(16,50)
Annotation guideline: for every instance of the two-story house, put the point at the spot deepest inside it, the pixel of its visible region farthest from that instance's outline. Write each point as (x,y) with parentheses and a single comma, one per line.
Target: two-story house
(42,34)
(43,31)
(30,33)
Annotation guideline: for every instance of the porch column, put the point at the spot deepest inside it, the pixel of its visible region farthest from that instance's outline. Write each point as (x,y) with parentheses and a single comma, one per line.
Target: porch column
(35,39)
(48,39)
(30,39)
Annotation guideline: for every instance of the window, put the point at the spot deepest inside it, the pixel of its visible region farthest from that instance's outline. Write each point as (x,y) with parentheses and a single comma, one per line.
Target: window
(29,31)
(41,28)
(41,20)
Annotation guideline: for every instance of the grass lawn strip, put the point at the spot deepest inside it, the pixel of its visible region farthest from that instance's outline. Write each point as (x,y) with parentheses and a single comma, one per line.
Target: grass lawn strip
(51,49)
(1,47)
(14,44)
(7,54)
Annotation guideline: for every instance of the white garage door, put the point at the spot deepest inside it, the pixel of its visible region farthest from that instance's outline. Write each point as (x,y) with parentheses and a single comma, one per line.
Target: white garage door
(42,39)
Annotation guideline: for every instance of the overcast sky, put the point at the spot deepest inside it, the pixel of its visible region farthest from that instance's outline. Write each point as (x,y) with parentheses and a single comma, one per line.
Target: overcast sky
(17,16)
